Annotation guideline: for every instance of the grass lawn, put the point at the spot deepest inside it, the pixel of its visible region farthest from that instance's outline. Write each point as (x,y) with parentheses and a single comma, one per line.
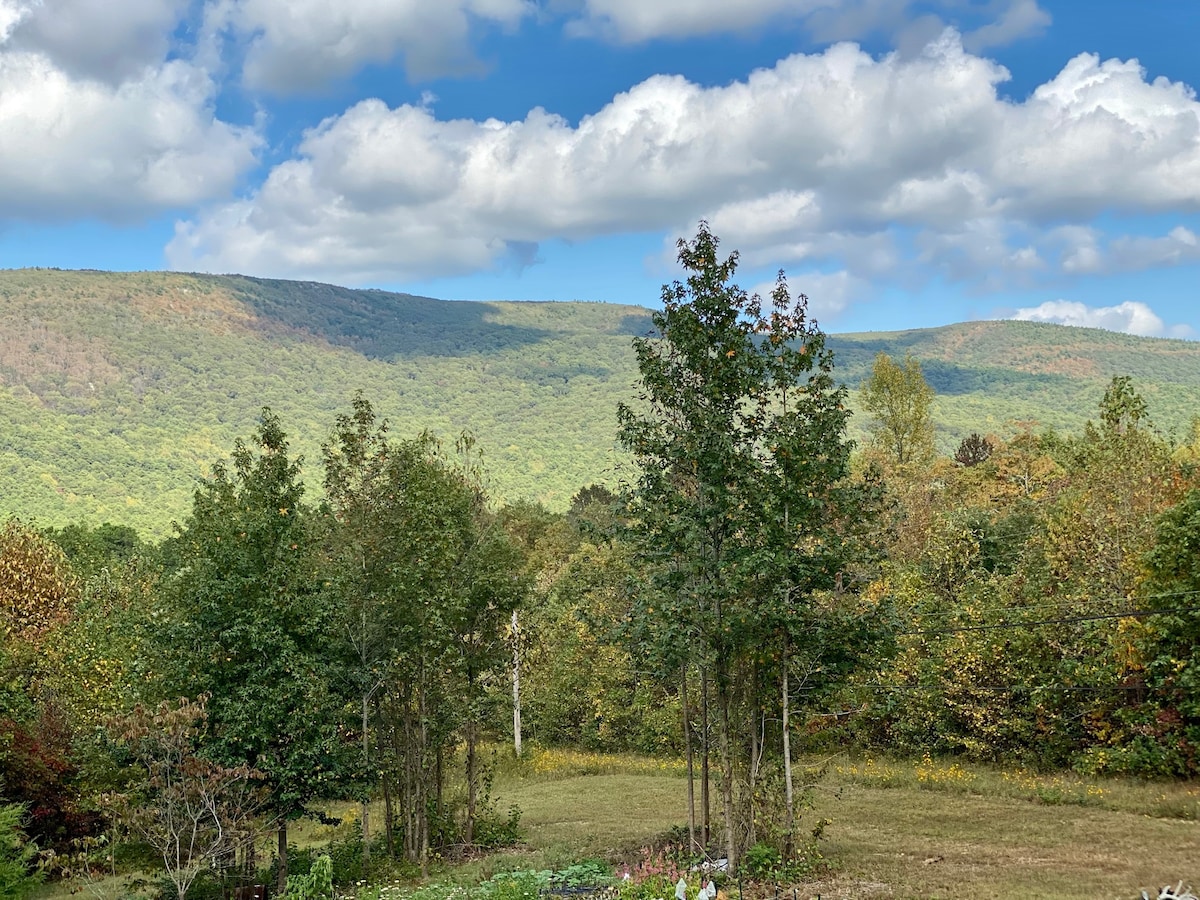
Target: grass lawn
(899,829)
(905,830)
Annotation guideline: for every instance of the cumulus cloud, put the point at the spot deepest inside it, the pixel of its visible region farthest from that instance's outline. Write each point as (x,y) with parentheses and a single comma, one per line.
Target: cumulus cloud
(299,45)
(909,23)
(828,293)
(96,39)
(78,147)
(820,159)
(1130,317)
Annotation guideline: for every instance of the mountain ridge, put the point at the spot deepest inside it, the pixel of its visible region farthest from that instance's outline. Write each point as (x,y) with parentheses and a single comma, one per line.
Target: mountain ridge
(119,390)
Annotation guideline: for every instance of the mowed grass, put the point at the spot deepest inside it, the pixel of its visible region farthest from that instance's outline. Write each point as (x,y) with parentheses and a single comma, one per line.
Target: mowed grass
(899,828)
(975,833)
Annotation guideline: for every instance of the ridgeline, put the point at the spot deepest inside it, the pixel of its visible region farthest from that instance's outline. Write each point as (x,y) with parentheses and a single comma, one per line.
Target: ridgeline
(119,390)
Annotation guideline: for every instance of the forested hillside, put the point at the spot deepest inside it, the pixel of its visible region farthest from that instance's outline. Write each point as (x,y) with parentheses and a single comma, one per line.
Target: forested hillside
(765,590)
(118,390)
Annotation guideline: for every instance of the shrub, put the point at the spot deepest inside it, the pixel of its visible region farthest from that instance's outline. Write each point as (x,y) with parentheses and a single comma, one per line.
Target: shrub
(17,855)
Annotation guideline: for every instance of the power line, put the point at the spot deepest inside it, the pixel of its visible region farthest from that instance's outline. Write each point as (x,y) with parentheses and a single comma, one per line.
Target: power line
(1056,604)
(998,688)
(1063,620)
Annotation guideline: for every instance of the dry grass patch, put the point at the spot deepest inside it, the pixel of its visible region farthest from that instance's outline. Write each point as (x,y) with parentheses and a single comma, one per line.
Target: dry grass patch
(596,815)
(915,829)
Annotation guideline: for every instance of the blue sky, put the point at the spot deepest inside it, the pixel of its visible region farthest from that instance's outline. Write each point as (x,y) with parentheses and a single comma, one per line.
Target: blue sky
(909,163)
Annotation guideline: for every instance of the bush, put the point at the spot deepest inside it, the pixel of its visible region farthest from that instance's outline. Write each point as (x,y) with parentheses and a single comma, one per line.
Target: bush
(17,855)
(346,858)
(493,832)
(317,884)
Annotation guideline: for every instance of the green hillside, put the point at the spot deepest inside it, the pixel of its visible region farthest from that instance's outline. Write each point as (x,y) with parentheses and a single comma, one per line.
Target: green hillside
(118,390)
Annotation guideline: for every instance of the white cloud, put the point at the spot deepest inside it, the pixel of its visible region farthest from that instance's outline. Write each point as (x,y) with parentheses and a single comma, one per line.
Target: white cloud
(634,21)
(299,45)
(11,14)
(100,39)
(1021,19)
(74,147)
(1130,317)
(828,293)
(1086,251)
(1178,247)
(818,160)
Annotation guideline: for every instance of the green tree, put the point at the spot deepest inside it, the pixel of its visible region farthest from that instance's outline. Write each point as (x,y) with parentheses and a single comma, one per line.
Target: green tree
(1166,737)
(249,626)
(899,399)
(425,581)
(1122,408)
(741,501)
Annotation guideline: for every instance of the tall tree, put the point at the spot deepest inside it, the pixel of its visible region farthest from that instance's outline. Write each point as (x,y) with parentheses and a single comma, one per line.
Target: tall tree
(899,399)
(425,582)
(248,626)
(1167,741)
(742,458)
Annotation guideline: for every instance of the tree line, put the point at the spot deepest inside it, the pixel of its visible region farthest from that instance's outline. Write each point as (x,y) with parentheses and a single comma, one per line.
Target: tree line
(759,587)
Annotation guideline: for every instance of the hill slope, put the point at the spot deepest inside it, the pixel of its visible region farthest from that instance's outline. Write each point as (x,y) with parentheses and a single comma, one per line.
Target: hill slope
(118,390)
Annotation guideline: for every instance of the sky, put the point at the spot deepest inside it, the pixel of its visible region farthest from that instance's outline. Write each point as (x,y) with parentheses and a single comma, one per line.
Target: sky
(908,163)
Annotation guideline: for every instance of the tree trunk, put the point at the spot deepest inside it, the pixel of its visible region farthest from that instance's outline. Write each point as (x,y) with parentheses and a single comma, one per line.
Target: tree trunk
(516,681)
(723,703)
(366,806)
(691,762)
(423,775)
(389,819)
(387,771)
(281,880)
(705,768)
(789,847)
(472,789)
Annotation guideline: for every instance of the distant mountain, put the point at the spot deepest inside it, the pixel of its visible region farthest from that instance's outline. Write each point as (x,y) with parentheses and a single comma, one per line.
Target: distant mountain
(119,390)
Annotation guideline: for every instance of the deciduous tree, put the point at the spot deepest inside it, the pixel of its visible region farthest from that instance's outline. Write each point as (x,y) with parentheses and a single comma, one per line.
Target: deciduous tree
(742,503)
(197,814)
(249,625)
(899,399)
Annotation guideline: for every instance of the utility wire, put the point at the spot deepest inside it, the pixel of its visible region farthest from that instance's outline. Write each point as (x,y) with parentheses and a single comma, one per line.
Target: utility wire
(1064,620)
(947,613)
(998,688)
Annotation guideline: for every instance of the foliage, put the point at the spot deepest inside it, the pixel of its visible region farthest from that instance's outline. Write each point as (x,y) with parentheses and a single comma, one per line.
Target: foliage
(39,596)
(973,450)
(247,625)
(899,400)
(425,580)
(1165,739)
(197,814)
(1008,578)
(18,872)
(743,508)
(316,884)
(37,587)
(107,421)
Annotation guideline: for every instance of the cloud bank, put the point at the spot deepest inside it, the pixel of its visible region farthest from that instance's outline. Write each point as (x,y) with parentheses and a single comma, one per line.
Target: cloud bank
(1130,317)
(907,22)
(899,167)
